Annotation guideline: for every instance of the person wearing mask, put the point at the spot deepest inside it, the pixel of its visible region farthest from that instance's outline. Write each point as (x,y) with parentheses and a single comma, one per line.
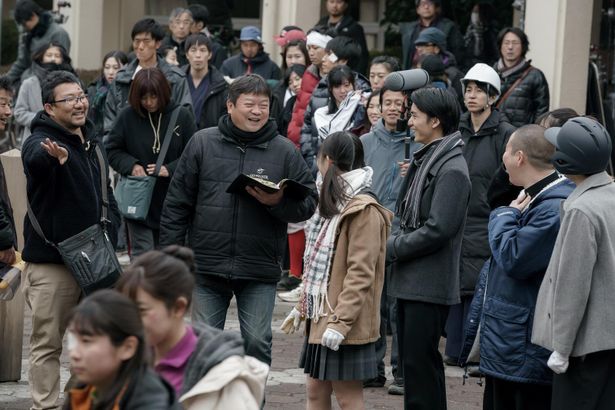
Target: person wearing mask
(343,280)
(180,23)
(201,16)
(98,89)
(238,238)
(573,318)
(385,152)
(252,59)
(135,142)
(39,28)
(49,57)
(342,24)
(207,367)
(429,14)
(525,91)
(425,252)
(485,132)
(380,67)
(108,356)
(481,35)
(146,37)
(206,83)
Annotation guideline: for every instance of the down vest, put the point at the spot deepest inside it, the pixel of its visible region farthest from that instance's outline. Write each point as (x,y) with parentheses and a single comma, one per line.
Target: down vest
(529,99)
(483,152)
(233,236)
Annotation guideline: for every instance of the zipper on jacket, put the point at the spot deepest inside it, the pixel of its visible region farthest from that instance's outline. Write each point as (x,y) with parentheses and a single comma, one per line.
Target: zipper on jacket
(235,212)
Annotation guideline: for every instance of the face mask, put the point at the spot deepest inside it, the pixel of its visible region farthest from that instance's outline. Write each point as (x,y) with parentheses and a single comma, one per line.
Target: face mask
(475,18)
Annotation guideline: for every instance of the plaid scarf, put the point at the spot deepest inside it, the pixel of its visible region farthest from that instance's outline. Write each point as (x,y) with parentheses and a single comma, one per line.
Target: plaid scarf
(320,235)
(507,71)
(429,155)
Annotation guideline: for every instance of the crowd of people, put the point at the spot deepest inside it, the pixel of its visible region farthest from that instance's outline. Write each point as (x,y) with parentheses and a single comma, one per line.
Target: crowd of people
(463,209)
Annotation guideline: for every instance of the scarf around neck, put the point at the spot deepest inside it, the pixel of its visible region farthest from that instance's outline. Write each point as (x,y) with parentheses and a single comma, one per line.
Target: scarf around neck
(226,126)
(320,248)
(508,71)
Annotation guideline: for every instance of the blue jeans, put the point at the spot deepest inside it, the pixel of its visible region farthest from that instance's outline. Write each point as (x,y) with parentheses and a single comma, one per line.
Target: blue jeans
(255,302)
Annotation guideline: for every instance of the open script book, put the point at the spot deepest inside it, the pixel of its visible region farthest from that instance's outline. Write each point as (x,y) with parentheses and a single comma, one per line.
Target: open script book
(292,188)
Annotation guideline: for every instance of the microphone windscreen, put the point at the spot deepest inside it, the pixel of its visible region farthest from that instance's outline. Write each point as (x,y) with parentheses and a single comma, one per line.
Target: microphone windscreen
(406,80)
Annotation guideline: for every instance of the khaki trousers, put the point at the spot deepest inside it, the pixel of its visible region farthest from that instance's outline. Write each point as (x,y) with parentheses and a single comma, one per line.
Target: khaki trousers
(51,292)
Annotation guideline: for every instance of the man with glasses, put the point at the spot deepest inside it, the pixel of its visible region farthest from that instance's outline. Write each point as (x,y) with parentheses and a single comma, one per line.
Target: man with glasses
(180,24)
(64,192)
(146,37)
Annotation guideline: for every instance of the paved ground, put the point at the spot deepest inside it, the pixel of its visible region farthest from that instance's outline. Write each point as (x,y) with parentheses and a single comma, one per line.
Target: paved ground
(286,383)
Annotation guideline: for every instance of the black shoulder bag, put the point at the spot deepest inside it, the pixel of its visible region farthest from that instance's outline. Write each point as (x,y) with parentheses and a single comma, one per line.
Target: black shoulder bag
(89,255)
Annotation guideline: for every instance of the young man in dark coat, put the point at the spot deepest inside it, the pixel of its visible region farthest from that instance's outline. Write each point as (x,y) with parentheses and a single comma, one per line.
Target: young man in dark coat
(344,25)
(238,238)
(426,250)
(64,191)
(7,233)
(207,85)
(201,17)
(252,58)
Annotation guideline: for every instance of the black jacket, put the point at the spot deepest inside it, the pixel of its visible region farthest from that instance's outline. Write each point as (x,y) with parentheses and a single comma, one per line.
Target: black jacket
(349,27)
(425,261)
(529,99)
(131,140)
(214,105)
(234,235)
(168,41)
(262,65)
(483,152)
(67,198)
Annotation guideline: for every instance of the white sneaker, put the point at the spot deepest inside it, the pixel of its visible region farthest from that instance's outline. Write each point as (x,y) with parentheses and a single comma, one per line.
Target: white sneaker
(293,295)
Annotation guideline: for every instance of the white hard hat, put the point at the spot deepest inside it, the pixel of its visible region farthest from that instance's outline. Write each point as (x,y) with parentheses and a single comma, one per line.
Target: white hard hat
(484,74)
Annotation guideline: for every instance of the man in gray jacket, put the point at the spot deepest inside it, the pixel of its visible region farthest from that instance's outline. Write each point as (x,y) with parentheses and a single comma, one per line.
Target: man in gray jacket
(574,315)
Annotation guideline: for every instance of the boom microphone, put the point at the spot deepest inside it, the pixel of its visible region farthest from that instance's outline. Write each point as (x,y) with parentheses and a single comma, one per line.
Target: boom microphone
(406,80)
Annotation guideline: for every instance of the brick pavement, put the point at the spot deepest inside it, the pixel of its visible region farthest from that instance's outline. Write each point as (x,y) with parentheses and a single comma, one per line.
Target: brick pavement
(286,383)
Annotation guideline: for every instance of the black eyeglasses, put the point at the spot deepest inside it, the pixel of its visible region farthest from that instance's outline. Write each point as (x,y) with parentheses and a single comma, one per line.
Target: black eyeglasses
(71,100)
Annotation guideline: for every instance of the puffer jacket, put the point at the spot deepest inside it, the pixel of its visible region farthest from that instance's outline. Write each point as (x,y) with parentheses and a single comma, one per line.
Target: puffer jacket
(357,273)
(309,82)
(234,235)
(310,142)
(483,152)
(117,96)
(262,65)
(529,99)
(521,243)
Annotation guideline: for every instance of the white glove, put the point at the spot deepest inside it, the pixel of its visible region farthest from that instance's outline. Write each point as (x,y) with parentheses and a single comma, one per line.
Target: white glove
(558,362)
(292,322)
(332,339)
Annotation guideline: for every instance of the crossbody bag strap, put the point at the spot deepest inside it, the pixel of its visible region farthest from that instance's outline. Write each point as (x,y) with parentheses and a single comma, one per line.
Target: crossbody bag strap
(37,226)
(512,87)
(103,184)
(167,140)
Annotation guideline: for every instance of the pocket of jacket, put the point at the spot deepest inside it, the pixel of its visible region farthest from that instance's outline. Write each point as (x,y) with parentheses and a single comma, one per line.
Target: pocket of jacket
(504,331)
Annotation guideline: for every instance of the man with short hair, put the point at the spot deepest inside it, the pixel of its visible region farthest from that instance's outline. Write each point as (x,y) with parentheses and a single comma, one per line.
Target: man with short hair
(384,150)
(425,252)
(252,59)
(146,37)
(344,24)
(40,29)
(521,238)
(238,238)
(180,23)
(64,192)
(574,316)
(200,15)
(207,85)
(7,233)
(429,15)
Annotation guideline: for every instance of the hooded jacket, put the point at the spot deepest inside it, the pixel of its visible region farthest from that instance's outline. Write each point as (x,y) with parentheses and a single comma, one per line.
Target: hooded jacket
(220,375)
(483,152)
(383,150)
(261,64)
(117,96)
(234,235)
(66,199)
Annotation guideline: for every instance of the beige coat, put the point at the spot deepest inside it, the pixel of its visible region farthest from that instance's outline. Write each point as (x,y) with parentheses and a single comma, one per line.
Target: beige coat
(357,273)
(236,383)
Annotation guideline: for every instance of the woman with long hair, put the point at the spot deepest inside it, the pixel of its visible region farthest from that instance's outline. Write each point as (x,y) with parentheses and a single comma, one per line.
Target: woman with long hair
(342,280)
(108,356)
(135,142)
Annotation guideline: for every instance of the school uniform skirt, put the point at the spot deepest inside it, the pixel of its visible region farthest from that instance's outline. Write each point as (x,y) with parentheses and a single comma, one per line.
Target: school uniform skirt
(350,362)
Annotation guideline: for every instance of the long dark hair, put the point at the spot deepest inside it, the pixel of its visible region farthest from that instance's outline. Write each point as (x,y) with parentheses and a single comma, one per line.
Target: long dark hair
(166,275)
(339,147)
(302,48)
(112,314)
(336,78)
